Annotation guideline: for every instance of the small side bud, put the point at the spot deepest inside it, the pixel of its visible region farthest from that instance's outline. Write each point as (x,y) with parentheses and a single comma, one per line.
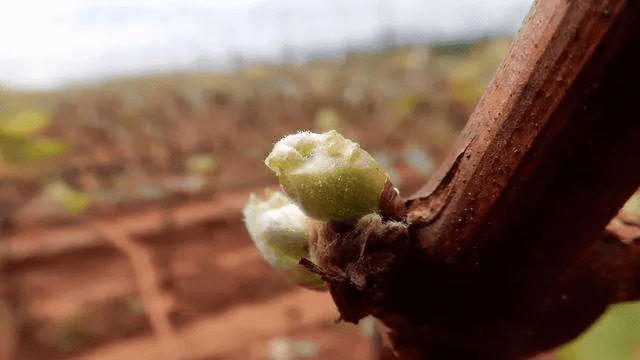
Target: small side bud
(329,176)
(279,230)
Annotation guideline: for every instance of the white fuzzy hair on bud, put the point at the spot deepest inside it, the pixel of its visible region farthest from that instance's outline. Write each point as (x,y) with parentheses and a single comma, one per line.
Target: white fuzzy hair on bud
(279,229)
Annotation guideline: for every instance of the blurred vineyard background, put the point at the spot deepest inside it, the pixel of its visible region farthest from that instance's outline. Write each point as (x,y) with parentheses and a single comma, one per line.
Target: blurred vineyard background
(120,202)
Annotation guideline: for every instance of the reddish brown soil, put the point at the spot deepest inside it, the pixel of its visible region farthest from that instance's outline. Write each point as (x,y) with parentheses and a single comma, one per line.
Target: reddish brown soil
(242,331)
(132,287)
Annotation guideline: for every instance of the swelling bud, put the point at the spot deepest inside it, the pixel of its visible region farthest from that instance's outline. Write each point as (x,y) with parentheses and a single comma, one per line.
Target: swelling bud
(279,229)
(329,176)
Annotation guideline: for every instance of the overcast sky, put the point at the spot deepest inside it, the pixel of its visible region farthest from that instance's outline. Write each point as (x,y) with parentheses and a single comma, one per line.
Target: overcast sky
(46,43)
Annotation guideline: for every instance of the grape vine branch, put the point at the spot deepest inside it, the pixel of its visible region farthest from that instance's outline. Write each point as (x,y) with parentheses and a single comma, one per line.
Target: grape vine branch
(511,253)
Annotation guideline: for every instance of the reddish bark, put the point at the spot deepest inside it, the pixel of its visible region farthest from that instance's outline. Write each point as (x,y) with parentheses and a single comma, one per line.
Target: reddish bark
(511,257)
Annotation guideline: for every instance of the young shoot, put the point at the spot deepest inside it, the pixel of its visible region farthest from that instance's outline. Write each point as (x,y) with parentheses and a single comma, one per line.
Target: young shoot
(330,177)
(279,229)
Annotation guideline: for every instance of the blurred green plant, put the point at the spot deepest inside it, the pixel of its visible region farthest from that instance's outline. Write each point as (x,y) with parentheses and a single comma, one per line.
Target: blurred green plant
(328,119)
(287,349)
(406,104)
(70,200)
(615,336)
(21,143)
(19,140)
(470,75)
(454,48)
(24,123)
(201,164)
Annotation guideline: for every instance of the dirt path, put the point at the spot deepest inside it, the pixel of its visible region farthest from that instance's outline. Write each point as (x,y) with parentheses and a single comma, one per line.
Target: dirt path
(158,305)
(233,331)
(41,242)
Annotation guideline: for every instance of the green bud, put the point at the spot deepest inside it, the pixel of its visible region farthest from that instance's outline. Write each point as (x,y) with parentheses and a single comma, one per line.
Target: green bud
(329,176)
(67,198)
(279,230)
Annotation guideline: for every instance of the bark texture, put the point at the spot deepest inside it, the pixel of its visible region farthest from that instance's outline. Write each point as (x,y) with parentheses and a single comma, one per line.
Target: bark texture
(510,255)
